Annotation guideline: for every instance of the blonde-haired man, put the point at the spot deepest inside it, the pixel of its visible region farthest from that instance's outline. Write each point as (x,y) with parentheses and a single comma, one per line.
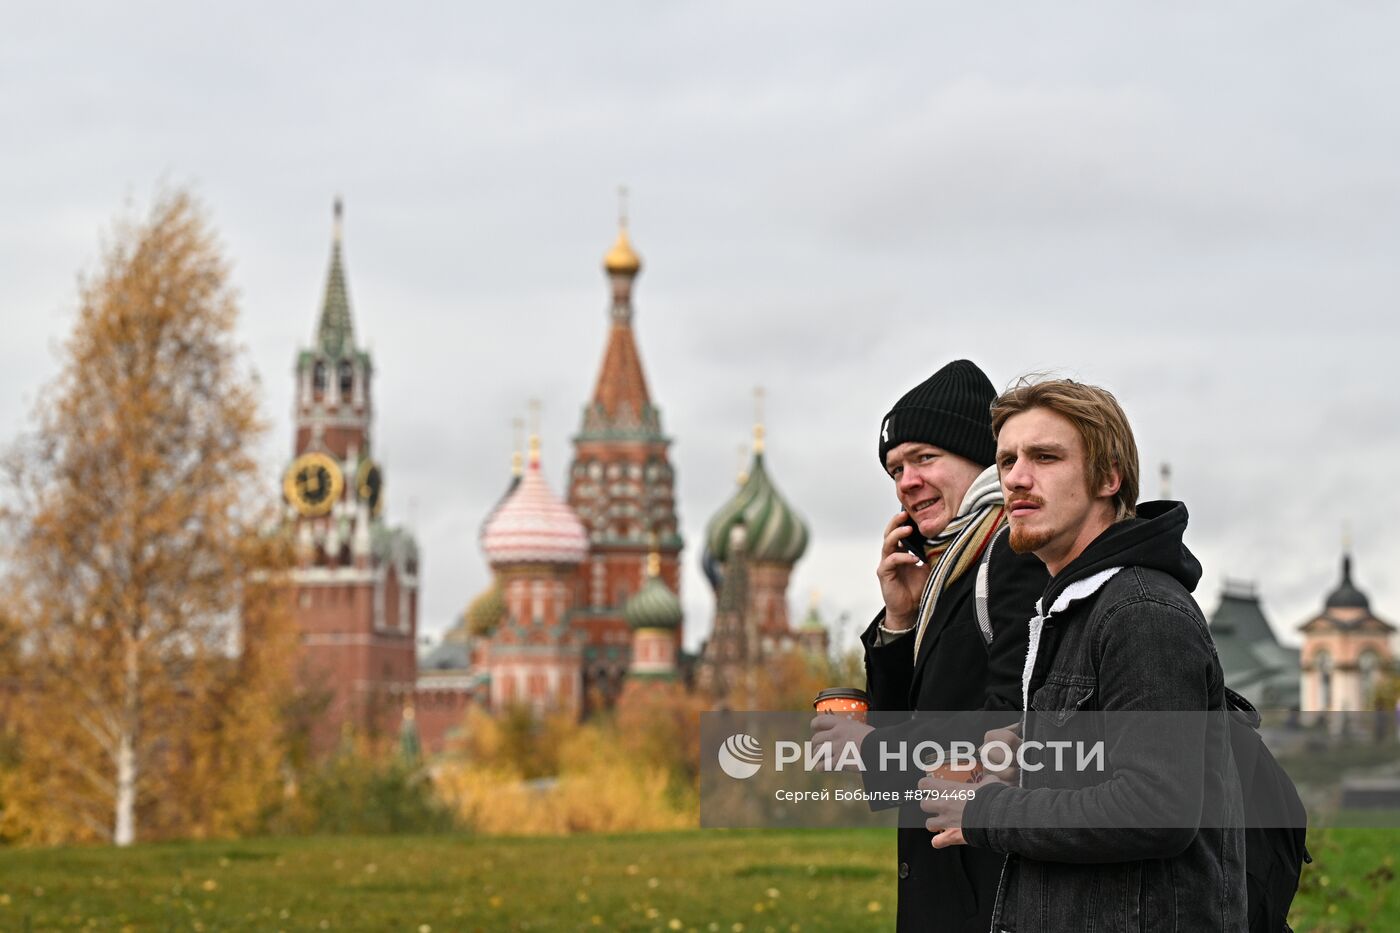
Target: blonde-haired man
(1116,631)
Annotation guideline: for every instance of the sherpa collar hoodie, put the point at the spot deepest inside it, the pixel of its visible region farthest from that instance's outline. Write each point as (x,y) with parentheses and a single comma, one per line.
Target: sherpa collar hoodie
(1152,540)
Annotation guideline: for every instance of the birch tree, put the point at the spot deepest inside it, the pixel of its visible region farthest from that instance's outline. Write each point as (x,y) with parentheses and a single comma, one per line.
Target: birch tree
(150,640)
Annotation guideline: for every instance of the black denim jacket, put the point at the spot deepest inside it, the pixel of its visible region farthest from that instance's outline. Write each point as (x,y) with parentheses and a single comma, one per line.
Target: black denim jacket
(1139,643)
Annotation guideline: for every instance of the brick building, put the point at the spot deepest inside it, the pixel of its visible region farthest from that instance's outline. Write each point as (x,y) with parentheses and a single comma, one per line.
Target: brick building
(355,586)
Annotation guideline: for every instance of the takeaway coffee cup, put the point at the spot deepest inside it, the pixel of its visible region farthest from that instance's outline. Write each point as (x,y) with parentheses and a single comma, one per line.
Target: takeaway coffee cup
(843,701)
(969,773)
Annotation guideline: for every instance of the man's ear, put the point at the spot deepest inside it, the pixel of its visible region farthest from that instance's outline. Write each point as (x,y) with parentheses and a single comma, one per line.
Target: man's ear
(1110,486)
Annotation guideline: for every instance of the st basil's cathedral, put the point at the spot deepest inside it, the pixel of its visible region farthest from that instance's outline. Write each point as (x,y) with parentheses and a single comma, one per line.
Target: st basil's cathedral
(583,608)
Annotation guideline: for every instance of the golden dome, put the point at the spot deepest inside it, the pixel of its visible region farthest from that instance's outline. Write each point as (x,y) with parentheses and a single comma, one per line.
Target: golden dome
(622,257)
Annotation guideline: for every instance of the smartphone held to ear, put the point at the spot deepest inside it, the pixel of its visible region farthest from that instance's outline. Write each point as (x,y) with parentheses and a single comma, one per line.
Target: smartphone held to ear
(914,542)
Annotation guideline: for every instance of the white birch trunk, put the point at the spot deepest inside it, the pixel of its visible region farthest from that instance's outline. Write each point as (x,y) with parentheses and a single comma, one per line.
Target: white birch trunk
(124,833)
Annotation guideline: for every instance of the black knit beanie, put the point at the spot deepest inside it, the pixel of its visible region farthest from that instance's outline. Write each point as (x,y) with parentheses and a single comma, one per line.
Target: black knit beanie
(952,409)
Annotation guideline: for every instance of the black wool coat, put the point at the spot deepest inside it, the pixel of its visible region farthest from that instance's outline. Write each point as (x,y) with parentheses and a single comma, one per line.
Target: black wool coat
(950,889)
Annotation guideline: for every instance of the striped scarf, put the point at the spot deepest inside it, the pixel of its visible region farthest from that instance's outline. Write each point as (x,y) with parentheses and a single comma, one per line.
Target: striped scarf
(959,545)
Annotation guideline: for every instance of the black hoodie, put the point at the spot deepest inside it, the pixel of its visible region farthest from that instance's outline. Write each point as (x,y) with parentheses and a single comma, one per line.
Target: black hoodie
(1129,641)
(1152,541)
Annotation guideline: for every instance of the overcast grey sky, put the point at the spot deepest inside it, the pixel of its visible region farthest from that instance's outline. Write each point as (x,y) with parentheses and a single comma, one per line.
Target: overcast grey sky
(1197,206)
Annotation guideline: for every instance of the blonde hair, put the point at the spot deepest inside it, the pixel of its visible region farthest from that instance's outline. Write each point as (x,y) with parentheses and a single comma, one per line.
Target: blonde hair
(1100,421)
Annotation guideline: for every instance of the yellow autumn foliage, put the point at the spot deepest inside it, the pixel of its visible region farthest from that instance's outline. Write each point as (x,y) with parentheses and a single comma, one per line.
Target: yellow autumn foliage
(142,700)
(619,797)
(553,776)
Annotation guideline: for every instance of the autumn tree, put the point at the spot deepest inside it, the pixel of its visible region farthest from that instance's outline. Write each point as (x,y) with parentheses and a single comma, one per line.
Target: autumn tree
(153,649)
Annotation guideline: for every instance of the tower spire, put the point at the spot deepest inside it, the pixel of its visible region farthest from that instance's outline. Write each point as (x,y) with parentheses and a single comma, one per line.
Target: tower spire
(758,421)
(534,433)
(622,264)
(621,402)
(335,332)
(1346,554)
(517,461)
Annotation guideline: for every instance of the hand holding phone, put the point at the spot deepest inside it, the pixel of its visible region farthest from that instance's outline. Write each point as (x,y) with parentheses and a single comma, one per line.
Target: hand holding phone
(902,571)
(914,542)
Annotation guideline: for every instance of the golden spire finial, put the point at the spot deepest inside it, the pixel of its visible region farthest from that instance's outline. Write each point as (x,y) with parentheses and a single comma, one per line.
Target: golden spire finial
(517,457)
(534,407)
(339,219)
(622,257)
(758,420)
(653,554)
(743,475)
(816,598)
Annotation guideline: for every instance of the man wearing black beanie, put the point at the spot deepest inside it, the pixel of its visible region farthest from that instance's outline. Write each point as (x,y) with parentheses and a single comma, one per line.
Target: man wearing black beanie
(926,650)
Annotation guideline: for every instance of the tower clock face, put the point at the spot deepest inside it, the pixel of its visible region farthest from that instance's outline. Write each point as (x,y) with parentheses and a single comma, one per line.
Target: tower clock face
(313,483)
(369,485)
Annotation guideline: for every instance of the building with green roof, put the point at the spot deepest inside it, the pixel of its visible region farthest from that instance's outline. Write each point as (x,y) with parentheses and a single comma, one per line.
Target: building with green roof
(1255,662)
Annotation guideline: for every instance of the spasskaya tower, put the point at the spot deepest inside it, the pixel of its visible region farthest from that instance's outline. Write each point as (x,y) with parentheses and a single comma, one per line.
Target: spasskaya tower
(356,578)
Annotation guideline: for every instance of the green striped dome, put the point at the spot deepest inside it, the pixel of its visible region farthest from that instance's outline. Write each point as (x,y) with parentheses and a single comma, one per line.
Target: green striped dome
(774,532)
(654,606)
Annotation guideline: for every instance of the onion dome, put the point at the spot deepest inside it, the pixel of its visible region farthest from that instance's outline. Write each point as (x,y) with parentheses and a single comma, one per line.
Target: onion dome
(654,605)
(533,526)
(622,258)
(485,612)
(774,531)
(1347,595)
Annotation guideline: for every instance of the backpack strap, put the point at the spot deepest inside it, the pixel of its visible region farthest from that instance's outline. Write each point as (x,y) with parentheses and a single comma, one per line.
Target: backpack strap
(984,615)
(1236,703)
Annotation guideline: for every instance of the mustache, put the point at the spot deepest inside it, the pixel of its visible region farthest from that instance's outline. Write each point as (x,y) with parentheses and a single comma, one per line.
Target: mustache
(1025,498)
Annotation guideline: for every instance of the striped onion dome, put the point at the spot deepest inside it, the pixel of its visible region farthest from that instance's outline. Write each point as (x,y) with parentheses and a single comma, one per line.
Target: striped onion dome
(774,532)
(533,526)
(514,485)
(654,606)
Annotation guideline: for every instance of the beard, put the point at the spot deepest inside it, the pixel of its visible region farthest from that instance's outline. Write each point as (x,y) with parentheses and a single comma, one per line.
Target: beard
(1029,540)
(1024,540)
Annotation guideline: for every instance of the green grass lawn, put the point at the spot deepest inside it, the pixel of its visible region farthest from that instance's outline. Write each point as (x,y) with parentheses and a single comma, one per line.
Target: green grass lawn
(707,880)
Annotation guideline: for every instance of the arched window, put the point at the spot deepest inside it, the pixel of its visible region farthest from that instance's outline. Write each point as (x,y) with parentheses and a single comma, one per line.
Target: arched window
(1324,680)
(318,379)
(1369,663)
(347,379)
